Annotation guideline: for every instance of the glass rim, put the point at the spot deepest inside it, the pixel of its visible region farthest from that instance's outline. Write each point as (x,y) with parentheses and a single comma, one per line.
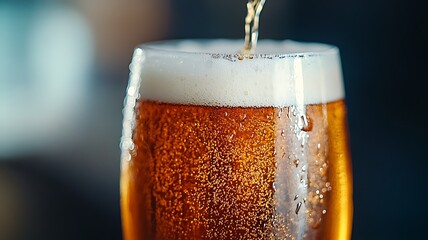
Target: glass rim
(172,46)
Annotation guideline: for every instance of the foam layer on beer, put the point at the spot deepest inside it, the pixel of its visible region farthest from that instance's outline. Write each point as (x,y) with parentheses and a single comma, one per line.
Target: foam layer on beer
(211,73)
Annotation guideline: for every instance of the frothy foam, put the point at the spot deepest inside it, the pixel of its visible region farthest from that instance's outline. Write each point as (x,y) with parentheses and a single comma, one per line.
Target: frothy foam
(281,73)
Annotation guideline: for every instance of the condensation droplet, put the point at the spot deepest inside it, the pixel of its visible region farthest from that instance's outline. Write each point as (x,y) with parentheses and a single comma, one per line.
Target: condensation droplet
(318,151)
(307,124)
(296,197)
(299,205)
(324,211)
(280,112)
(296,162)
(131,91)
(124,145)
(131,146)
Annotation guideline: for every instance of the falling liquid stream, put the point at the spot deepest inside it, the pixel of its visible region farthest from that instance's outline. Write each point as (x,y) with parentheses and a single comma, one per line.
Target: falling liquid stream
(254,8)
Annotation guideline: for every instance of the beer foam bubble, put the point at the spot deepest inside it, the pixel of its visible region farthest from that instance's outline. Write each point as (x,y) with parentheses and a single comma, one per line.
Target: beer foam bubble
(213,73)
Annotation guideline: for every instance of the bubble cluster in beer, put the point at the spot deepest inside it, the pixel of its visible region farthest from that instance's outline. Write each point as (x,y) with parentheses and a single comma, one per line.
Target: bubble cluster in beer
(202,172)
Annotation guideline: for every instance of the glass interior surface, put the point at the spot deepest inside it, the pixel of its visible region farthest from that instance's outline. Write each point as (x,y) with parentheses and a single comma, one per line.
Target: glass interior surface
(221,145)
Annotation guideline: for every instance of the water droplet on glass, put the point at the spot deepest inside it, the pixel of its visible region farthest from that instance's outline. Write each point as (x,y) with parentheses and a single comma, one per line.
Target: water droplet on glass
(299,205)
(125,145)
(296,162)
(296,197)
(304,123)
(301,122)
(131,91)
(324,211)
(280,113)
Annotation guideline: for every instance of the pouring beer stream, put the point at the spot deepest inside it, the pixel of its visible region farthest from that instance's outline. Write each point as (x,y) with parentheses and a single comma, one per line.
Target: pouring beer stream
(254,8)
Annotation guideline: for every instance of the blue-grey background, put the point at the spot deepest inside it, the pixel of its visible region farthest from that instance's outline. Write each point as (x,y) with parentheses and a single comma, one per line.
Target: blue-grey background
(64,70)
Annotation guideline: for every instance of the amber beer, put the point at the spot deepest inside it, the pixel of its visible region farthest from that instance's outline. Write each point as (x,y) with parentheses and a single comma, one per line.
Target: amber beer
(215,147)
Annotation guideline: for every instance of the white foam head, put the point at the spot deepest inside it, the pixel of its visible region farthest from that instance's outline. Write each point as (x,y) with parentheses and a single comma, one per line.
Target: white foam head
(209,72)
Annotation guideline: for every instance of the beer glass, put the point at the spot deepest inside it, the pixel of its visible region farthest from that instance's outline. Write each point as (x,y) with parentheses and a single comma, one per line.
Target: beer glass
(219,145)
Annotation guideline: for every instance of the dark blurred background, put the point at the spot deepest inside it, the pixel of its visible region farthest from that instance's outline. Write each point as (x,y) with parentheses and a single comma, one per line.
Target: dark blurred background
(64,70)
